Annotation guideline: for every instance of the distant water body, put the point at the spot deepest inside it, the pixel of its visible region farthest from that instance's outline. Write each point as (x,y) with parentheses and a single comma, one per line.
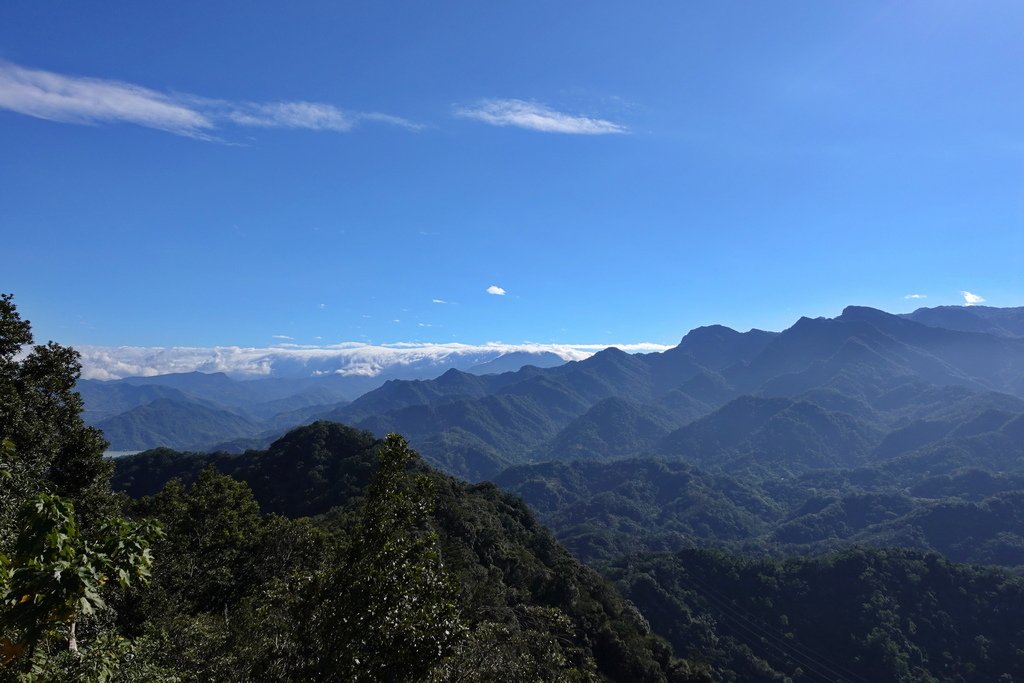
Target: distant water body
(118,454)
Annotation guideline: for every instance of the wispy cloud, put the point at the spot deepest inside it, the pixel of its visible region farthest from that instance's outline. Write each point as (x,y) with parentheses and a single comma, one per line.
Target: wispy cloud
(304,115)
(496,290)
(534,116)
(308,115)
(71,99)
(916,296)
(347,358)
(971,299)
(438,301)
(282,336)
(92,101)
(377,117)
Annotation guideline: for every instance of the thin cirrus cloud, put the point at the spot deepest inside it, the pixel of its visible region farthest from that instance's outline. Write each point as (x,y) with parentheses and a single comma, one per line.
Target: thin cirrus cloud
(971,299)
(916,296)
(535,116)
(93,101)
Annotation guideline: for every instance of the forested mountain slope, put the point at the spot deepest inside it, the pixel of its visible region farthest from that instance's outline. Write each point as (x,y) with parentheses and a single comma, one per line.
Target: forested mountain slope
(861,615)
(514,580)
(956,490)
(891,614)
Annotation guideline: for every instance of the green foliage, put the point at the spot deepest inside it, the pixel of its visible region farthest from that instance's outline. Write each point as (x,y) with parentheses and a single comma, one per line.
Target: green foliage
(531,648)
(307,471)
(6,454)
(110,659)
(212,532)
(233,588)
(390,612)
(64,548)
(55,576)
(481,564)
(50,448)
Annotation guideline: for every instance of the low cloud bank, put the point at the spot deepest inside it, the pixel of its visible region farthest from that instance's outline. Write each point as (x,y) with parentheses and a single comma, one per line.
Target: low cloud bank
(293,360)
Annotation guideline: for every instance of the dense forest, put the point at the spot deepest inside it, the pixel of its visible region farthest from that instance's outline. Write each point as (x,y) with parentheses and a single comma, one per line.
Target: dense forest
(817,537)
(857,614)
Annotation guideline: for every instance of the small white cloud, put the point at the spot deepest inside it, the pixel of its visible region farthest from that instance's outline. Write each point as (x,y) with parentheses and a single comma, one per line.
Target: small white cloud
(534,116)
(396,320)
(322,306)
(916,296)
(424,325)
(496,290)
(282,336)
(971,299)
(438,301)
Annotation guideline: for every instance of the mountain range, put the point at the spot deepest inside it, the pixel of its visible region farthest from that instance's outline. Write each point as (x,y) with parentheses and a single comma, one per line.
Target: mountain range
(849,379)
(202,411)
(868,428)
(823,393)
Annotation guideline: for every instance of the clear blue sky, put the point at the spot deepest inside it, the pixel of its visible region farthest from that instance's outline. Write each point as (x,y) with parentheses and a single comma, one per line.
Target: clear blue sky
(219,173)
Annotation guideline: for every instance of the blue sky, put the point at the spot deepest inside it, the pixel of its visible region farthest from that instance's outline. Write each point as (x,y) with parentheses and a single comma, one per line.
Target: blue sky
(238,173)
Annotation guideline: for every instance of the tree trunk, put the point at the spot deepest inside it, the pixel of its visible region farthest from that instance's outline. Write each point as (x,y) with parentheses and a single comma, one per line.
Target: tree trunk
(72,641)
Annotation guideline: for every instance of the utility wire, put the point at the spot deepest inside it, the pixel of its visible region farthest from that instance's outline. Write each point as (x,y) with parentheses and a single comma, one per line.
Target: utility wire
(814,661)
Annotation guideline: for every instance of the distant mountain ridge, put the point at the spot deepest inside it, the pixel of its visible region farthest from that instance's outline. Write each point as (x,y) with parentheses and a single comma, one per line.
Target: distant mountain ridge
(190,421)
(837,384)
(250,412)
(1003,322)
(475,425)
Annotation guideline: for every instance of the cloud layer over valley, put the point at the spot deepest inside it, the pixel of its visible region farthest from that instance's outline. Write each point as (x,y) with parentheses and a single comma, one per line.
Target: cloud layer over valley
(292,360)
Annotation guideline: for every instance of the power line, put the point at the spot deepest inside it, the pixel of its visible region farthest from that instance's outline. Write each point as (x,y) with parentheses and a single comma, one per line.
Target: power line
(814,661)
